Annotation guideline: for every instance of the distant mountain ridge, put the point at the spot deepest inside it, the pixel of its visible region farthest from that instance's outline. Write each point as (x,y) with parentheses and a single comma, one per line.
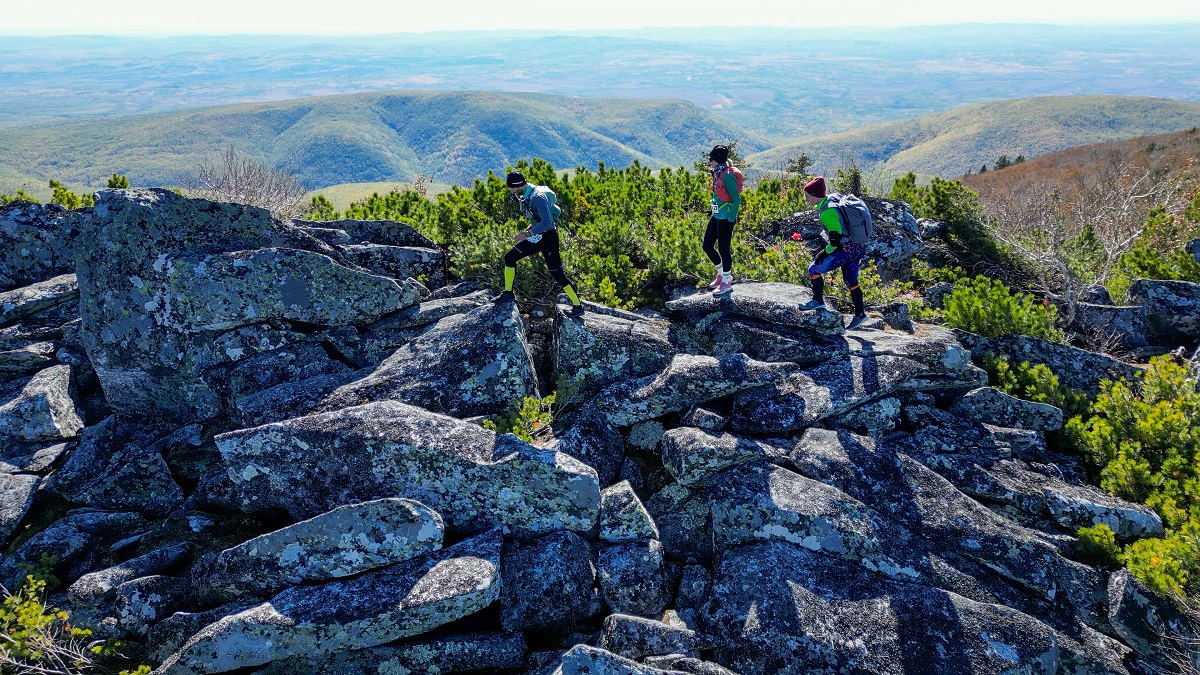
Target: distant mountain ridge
(381,136)
(951,143)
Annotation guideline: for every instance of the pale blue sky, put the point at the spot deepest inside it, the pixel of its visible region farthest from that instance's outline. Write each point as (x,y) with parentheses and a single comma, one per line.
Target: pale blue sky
(171,17)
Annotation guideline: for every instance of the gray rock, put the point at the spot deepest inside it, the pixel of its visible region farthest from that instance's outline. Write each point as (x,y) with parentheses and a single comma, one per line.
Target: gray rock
(689,380)
(95,588)
(1172,309)
(16,496)
(1095,294)
(935,295)
(456,653)
(896,315)
(167,636)
(730,334)
(548,583)
(695,583)
(140,603)
(693,456)
(36,241)
(39,461)
(28,358)
(379,340)
(1076,506)
(703,418)
(475,478)
(586,660)
(595,350)
(622,516)
(594,441)
(932,228)
(1149,623)
(388,232)
(772,302)
(401,262)
(329,235)
(1076,368)
(686,664)
(343,542)
(165,276)
(259,372)
(646,435)
(631,473)
(74,541)
(684,522)
(378,607)
(107,471)
(781,608)
(38,410)
(42,296)
(470,364)
(760,502)
(633,577)
(635,637)
(995,407)
(876,418)
(1105,323)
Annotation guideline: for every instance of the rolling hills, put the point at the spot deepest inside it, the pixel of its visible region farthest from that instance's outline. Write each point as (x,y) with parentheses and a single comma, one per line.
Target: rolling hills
(451,137)
(951,143)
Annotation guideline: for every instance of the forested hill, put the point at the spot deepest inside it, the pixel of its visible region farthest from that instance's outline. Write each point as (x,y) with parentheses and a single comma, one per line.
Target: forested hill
(953,142)
(386,136)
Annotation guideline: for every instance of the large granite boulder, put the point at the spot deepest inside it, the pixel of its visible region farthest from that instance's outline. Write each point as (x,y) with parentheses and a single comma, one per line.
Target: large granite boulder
(633,577)
(475,478)
(95,588)
(16,496)
(490,651)
(1117,325)
(427,265)
(343,542)
(1151,624)
(36,242)
(165,280)
(73,542)
(405,599)
(771,302)
(477,363)
(694,456)
(594,350)
(595,441)
(684,521)
(623,517)
(548,583)
(27,358)
(635,637)
(995,407)
(38,410)
(1172,309)
(1076,368)
(387,232)
(25,303)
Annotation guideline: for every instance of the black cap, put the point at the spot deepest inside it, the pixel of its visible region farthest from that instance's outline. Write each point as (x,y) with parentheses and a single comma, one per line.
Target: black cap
(719,154)
(515,179)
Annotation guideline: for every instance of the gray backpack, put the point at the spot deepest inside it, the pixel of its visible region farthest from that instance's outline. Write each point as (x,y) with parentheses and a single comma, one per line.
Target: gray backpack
(856,217)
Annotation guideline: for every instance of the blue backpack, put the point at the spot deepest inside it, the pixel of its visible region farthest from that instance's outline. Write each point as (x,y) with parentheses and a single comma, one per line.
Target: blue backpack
(855,216)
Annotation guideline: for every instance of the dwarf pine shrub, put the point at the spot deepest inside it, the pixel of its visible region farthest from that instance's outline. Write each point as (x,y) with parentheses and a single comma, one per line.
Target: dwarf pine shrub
(986,306)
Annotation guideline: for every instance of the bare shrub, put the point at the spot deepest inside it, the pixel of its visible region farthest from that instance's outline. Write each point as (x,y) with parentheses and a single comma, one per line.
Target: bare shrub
(240,179)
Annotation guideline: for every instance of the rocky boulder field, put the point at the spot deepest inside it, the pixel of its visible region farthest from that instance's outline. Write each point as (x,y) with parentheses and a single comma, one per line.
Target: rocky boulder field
(253,446)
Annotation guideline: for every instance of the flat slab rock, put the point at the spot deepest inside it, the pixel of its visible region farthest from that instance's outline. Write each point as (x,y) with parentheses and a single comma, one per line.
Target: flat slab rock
(38,410)
(474,477)
(772,302)
(379,607)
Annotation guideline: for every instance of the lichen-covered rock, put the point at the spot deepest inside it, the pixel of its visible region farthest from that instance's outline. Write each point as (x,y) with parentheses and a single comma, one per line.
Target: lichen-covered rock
(253,374)
(596,349)
(466,365)
(73,542)
(761,502)
(343,542)
(22,303)
(427,265)
(164,276)
(1076,506)
(689,380)
(27,358)
(1150,623)
(686,664)
(142,602)
(781,608)
(1123,326)
(622,516)
(379,340)
(684,522)
(593,440)
(993,406)
(95,588)
(633,577)
(635,637)
(646,435)
(693,456)
(16,496)
(587,660)
(1171,309)
(38,410)
(935,295)
(772,302)
(722,333)
(548,583)
(1076,368)
(388,232)
(695,583)
(703,418)
(167,636)
(454,653)
(876,418)
(405,599)
(475,478)
(36,242)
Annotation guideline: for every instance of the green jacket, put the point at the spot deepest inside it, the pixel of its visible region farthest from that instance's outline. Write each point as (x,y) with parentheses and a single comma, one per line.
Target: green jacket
(727,210)
(833,224)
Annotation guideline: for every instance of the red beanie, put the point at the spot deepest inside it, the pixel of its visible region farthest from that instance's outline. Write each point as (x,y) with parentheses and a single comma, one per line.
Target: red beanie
(816,187)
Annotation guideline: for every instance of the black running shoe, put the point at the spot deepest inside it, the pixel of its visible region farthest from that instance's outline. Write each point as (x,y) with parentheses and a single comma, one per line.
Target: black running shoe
(506,296)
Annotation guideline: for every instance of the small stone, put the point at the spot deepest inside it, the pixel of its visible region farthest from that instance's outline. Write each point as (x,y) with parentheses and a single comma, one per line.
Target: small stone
(622,516)
(633,577)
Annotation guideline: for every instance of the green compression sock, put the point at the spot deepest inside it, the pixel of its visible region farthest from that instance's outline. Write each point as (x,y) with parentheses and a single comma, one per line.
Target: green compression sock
(510,273)
(571,294)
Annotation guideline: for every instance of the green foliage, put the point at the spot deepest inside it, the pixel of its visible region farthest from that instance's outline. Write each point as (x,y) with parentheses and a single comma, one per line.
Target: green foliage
(61,195)
(1002,162)
(1158,252)
(702,166)
(320,208)
(947,200)
(526,418)
(986,306)
(117,182)
(21,195)
(1035,383)
(1097,546)
(1167,565)
(849,180)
